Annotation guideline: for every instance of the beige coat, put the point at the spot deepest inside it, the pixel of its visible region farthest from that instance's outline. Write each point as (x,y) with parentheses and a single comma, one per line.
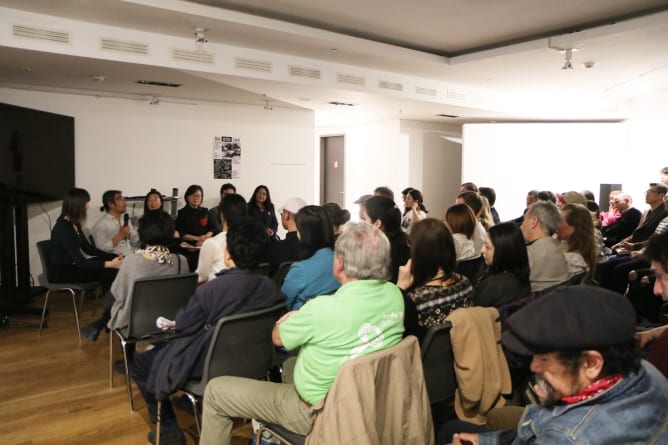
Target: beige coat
(377,399)
(480,365)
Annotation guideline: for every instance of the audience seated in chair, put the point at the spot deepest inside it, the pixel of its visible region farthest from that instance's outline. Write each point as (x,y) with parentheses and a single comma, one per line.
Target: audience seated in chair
(214,213)
(383,213)
(160,371)
(429,277)
(590,381)
(287,249)
(655,341)
(312,275)
(546,261)
(625,224)
(373,312)
(506,257)
(578,243)
(232,209)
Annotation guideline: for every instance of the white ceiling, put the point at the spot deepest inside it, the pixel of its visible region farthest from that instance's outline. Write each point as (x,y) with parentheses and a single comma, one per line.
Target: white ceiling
(506,50)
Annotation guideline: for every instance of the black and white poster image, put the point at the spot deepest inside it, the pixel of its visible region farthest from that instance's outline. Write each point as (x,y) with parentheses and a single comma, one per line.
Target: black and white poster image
(226,157)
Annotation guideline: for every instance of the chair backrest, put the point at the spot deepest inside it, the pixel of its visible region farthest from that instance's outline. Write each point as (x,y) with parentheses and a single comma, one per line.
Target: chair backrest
(282,272)
(471,268)
(153,297)
(44,250)
(438,364)
(241,345)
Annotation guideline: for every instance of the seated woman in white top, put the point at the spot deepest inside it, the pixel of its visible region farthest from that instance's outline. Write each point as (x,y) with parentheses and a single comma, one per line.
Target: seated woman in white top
(578,241)
(231,210)
(414,209)
(461,221)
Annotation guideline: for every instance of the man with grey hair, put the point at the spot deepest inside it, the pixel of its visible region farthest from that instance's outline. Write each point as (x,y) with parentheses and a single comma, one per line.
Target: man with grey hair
(365,315)
(546,261)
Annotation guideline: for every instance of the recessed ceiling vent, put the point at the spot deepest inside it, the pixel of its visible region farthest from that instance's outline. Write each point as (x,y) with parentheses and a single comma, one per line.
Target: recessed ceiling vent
(350,79)
(426,91)
(384,84)
(451,116)
(41,34)
(124,47)
(341,104)
(192,56)
(455,95)
(159,84)
(307,73)
(253,65)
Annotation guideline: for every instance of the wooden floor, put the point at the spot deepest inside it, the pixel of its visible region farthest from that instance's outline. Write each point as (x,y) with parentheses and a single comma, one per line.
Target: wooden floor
(53,391)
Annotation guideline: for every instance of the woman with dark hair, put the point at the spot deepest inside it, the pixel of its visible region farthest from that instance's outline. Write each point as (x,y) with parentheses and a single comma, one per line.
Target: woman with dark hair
(576,233)
(508,267)
(261,208)
(381,212)
(461,221)
(67,264)
(312,276)
(153,201)
(414,209)
(429,277)
(154,259)
(338,216)
(231,210)
(192,222)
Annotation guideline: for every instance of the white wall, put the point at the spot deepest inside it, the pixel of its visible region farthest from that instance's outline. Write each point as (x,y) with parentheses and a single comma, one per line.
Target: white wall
(133,146)
(374,156)
(514,158)
(648,141)
(435,163)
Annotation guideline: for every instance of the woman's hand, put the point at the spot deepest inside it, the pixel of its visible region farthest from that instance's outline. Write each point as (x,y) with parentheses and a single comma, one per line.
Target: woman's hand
(405,279)
(115,263)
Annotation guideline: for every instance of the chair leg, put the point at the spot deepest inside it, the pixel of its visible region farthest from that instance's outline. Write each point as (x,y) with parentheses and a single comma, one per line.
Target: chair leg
(111,359)
(128,382)
(76,313)
(41,323)
(157,426)
(198,421)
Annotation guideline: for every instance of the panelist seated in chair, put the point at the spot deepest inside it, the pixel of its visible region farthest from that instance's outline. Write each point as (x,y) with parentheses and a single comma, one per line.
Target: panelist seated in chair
(365,315)
(164,369)
(591,384)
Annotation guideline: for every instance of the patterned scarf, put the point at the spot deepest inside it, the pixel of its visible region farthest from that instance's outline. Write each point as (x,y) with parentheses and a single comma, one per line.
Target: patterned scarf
(157,253)
(593,390)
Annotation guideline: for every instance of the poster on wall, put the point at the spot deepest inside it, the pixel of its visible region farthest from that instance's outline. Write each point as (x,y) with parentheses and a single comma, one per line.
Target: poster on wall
(226,157)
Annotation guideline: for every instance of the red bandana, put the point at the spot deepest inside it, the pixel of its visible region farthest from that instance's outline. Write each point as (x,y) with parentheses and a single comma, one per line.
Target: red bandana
(593,390)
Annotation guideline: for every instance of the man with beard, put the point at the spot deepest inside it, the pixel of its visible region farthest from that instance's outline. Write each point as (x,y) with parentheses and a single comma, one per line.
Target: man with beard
(592,386)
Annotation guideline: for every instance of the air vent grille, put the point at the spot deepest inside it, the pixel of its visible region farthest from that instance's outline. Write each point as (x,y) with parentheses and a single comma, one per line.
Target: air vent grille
(253,65)
(350,79)
(192,56)
(41,34)
(124,47)
(455,95)
(308,73)
(426,91)
(384,84)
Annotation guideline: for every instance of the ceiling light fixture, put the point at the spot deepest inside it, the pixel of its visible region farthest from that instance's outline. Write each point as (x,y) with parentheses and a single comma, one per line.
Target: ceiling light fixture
(266,103)
(568,55)
(200,38)
(153,100)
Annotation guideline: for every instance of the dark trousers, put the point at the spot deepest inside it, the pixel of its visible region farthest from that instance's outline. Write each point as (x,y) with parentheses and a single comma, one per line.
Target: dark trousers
(141,368)
(617,276)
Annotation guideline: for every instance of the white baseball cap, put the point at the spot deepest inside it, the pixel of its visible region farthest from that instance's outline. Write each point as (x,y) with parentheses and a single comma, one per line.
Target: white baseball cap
(294,205)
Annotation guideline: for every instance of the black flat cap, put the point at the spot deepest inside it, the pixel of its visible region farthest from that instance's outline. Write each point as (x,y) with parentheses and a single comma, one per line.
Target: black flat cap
(571,318)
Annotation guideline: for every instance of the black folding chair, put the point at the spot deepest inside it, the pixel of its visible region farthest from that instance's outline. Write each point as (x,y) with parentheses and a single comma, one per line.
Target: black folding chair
(241,346)
(151,298)
(439,370)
